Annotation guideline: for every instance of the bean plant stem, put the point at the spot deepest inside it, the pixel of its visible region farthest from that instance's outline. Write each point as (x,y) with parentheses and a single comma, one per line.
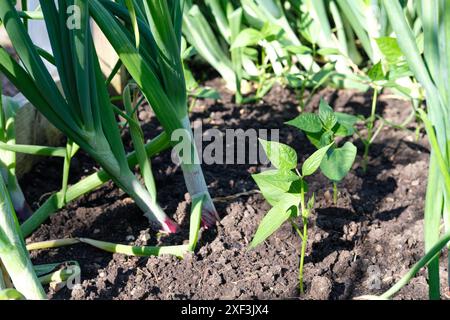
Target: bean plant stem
(335,193)
(304,236)
(297,229)
(302,253)
(370,125)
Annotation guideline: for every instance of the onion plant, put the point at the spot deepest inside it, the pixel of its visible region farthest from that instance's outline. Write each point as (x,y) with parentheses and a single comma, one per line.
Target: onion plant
(432,70)
(82,111)
(202,37)
(8,109)
(14,257)
(157,68)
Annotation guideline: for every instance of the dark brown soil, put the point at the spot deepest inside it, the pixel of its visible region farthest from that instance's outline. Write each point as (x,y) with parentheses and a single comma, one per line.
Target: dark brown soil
(360,246)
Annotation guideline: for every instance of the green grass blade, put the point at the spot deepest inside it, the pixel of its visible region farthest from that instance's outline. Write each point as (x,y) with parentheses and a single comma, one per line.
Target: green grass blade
(32,61)
(26,85)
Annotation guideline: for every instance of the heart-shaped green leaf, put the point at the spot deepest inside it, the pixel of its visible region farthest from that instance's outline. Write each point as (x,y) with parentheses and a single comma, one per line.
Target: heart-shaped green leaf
(308,122)
(338,162)
(282,156)
(376,73)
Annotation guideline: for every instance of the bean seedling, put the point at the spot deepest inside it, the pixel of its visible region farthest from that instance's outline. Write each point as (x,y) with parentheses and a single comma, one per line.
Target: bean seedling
(322,129)
(286,189)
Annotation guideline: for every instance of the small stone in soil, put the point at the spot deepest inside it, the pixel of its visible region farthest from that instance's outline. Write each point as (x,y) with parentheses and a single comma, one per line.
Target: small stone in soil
(320,288)
(77,292)
(217,246)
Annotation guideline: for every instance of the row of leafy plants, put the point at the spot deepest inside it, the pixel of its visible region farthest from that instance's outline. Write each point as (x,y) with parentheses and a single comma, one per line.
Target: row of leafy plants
(253,44)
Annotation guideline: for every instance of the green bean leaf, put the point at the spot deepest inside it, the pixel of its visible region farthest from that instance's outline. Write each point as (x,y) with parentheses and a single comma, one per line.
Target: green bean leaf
(275,183)
(282,156)
(338,162)
(275,218)
(313,162)
(326,115)
(308,122)
(376,72)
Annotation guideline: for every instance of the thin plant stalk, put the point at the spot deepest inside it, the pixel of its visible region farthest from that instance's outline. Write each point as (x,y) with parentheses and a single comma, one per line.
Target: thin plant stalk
(71,149)
(303,253)
(303,233)
(370,126)
(335,193)
(235,19)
